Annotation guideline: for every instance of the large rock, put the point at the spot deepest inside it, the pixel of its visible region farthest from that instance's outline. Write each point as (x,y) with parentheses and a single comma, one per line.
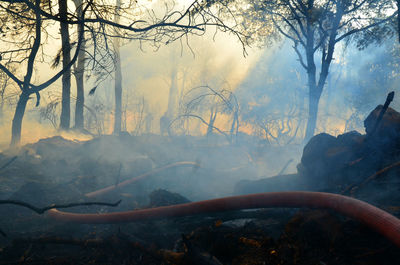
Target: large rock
(325,154)
(163,197)
(330,163)
(388,131)
(271,184)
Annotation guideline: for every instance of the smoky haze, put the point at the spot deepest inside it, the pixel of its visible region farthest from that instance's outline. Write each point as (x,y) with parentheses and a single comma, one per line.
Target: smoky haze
(269,84)
(204,86)
(270,116)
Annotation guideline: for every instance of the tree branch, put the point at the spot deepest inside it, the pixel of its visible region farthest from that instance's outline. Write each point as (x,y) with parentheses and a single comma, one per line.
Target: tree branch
(353,31)
(203,121)
(54,206)
(11,75)
(299,55)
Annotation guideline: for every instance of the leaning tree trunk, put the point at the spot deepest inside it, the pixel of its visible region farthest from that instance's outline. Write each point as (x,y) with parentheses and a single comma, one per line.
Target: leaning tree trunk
(79,74)
(24,97)
(118,82)
(17,120)
(66,78)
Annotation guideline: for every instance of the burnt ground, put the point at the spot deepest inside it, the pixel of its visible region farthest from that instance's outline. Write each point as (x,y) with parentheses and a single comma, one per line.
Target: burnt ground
(56,170)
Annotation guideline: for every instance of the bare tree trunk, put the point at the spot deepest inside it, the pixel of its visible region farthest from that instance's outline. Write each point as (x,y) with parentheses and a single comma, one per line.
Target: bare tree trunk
(118,82)
(24,97)
(17,120)
(173,90)
(2,92)
(313,102)
(1,112)
(164,124)
(315,89)
(80,95)
(118,93)
(66,78)
(313,98)
(315,92)
(398,19)
(173,95)
(213,116)
(235,124)
(79,74)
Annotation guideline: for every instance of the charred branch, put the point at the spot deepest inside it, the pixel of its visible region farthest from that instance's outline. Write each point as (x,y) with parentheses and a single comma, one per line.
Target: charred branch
(135,179)
(53,206)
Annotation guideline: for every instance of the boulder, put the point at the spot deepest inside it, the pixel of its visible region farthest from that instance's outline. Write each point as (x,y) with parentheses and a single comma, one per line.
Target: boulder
(324,154)
(163,197)
(388,131)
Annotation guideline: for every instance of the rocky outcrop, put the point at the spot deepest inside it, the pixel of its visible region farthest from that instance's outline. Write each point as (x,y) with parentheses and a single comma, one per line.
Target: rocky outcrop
(331,163)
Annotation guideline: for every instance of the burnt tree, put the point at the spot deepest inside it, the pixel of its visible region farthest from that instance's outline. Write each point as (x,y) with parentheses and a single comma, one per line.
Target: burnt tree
(31,15)
(315,28)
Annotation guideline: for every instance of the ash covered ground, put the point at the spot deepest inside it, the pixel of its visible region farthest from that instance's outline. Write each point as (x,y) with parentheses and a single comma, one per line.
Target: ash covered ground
(60,171)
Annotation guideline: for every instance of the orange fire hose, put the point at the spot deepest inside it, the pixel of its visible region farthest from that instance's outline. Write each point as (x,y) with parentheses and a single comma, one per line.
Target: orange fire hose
(377,219)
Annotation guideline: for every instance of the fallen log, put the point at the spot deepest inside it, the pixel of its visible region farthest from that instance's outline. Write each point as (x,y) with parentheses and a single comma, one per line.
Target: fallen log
(8,162)
(354,187)
(377,219)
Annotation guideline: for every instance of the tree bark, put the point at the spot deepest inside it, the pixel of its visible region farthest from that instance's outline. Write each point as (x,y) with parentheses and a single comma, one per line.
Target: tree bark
(398,19)
(80,95)
(118,82)
(66,78)
(313,102)
(173,94)
(17,120)
(313,98)
(316,88)
(118,92)
(2,92)
(79,74)
(213,116)
(16,126)
(235,124)
(173,90)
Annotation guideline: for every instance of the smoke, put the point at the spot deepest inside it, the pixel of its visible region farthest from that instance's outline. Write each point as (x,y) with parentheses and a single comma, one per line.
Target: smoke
(277,89)
(269,84)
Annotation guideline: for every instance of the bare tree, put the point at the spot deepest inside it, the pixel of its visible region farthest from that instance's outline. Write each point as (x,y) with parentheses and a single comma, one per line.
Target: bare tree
(50,111)
(79,71)
(66,59)
(117,78)
(4,82)
(147,26)
(315,28)
(200,99)
(173,88)
(172,107)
